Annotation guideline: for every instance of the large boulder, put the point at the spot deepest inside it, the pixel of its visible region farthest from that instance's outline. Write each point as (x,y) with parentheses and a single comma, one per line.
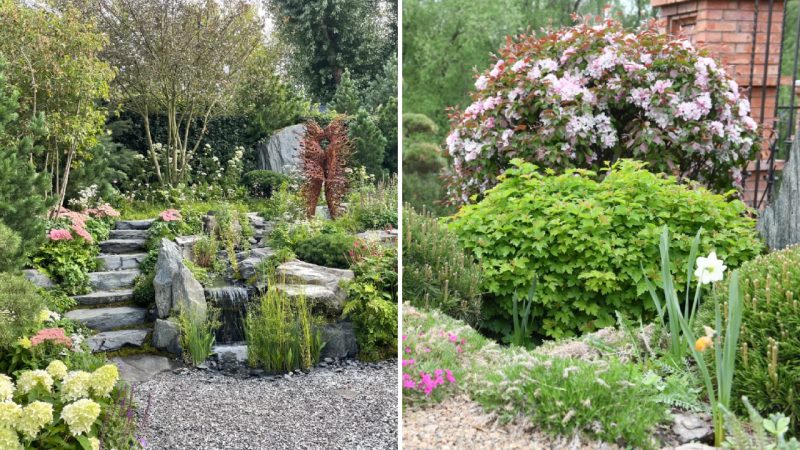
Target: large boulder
(340,341)
(779,225)
(299,272)
(38,278)
(281,153)
(175,286)
(166,336)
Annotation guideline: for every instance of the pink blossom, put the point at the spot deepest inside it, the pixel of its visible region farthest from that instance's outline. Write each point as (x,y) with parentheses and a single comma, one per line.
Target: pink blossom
(405,337)
(83,233)
(481,83)
(408,350)
(450,376)
(498,69)
(55,335)
(170,215)
(408,362)
(661,85)
(519,65)
(59,234)
(488,123)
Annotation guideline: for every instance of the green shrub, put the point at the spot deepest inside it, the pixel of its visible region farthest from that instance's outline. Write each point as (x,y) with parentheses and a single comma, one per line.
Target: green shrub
(426,191)
(368,142)
(144,293)
(205,251)
(285,204)
(57,301)
(281,333)
(262,183)
(197,332)
(423,157)
(328,249)
(769,345)
(68,262)
(10,243)
(436,271)
(20,304)
(418,124)
(586,238)
(374,207)
(374,316)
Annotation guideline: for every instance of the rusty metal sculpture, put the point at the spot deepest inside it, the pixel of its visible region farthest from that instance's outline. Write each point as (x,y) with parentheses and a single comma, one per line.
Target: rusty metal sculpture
(324,154)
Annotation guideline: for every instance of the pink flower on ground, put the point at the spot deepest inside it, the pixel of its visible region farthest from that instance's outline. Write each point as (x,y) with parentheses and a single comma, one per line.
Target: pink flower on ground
(55,335)
(408,362)
(450,376)
(59,234)
(408,350)
(453,338)
(408,383)
(459,350)
(405,337)
(170,215)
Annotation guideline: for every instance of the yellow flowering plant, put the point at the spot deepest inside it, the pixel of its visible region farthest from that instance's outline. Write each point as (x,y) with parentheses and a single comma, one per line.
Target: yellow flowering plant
(57,408)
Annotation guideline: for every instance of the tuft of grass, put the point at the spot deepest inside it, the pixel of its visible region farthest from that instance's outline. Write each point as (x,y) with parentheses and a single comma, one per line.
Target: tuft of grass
(197,333)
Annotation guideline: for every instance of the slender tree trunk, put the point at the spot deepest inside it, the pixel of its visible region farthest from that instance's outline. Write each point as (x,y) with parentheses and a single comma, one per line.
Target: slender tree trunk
(150,150)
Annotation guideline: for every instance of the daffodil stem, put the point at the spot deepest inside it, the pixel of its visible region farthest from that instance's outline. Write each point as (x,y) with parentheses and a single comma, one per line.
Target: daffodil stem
(697,294)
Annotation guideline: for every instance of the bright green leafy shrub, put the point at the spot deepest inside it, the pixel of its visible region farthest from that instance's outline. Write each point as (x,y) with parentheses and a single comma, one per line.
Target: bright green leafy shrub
(262,183)
(144,293)
(769,345)
(374,315)
(586,239)
(436,271)
(327,249)
(68,262)
(20,304)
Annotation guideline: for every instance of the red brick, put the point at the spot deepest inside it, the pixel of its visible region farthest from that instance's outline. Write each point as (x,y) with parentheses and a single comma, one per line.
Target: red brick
(735,14)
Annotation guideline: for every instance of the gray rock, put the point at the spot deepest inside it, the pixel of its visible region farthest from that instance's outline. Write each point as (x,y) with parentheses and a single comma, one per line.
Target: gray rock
(142,368)
(281,152)
(105,297)
(118,246)
(121,262)
(340,341)
(299,272)
(104,319)
(322,299)
(111,280)
(386,237)
(186,244)
(129,234)
(134,224)
(322,212)
(779,225)
(175,286)
(166,336)
(248,267)
(695,446)
(109,341)
(38,278)
(689,427)
(237,352)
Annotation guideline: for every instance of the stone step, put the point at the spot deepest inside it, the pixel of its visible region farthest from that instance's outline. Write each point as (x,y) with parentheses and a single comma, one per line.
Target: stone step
(120,246)
(121,262)
(129,234)
(105,319)
(109,341)
(134,224)
(322,299)
(105,297)
(113,280)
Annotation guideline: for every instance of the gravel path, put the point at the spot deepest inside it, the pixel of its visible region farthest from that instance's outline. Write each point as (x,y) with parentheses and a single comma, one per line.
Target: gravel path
(355,408)
(459,423)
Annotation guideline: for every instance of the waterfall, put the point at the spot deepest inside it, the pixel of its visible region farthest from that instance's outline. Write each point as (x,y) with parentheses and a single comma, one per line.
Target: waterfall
(232,304)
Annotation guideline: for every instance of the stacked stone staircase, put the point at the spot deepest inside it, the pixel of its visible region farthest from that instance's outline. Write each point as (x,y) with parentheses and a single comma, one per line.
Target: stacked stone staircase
(107,308)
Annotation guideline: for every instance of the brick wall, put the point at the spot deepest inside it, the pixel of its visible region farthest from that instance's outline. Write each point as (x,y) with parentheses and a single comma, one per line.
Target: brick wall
(725,29)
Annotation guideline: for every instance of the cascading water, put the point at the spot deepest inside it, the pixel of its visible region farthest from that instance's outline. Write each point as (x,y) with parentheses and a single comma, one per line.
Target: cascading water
(232,303)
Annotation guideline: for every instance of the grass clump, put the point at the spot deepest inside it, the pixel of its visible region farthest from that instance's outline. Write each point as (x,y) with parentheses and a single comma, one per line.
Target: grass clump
(281,333)
(197,332)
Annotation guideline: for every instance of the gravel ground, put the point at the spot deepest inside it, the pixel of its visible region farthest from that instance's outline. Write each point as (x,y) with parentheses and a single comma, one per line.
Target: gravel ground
(459,423)
(354,408)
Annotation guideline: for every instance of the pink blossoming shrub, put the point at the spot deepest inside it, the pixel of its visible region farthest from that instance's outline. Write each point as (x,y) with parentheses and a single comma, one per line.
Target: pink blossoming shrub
(588,94)
(54,335)
(59,234)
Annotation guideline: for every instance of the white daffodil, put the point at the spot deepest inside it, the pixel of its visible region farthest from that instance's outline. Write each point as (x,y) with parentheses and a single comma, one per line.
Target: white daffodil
(709,269)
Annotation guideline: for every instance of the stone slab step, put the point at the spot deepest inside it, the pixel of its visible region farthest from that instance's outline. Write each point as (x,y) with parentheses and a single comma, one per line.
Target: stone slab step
(134,224)
(109,341)
(121,262)
(113,280)
(105,319)
(322,299)
(119,246)
(129,234)
(105,297)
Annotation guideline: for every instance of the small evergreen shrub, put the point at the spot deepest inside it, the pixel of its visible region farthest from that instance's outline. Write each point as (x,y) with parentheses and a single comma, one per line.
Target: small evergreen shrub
(423,157)
(20,304)
(144,293)
(262,183)
(586,239)
(10,243)
(418,124)
(369,144)
(437,273)
(327,249)
(766,369)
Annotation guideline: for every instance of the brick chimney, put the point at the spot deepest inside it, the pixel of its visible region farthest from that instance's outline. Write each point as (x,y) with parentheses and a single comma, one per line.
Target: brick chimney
(746,36)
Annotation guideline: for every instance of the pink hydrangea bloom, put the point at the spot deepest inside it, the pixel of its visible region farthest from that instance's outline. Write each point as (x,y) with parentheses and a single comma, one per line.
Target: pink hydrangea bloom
(59,234)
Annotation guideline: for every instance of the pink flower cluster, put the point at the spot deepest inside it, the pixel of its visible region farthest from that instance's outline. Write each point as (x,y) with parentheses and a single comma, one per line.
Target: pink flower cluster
(420,380)
(428,382)
(54,335)
(590,93)
(104,210)
(78,225)
(170,215)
